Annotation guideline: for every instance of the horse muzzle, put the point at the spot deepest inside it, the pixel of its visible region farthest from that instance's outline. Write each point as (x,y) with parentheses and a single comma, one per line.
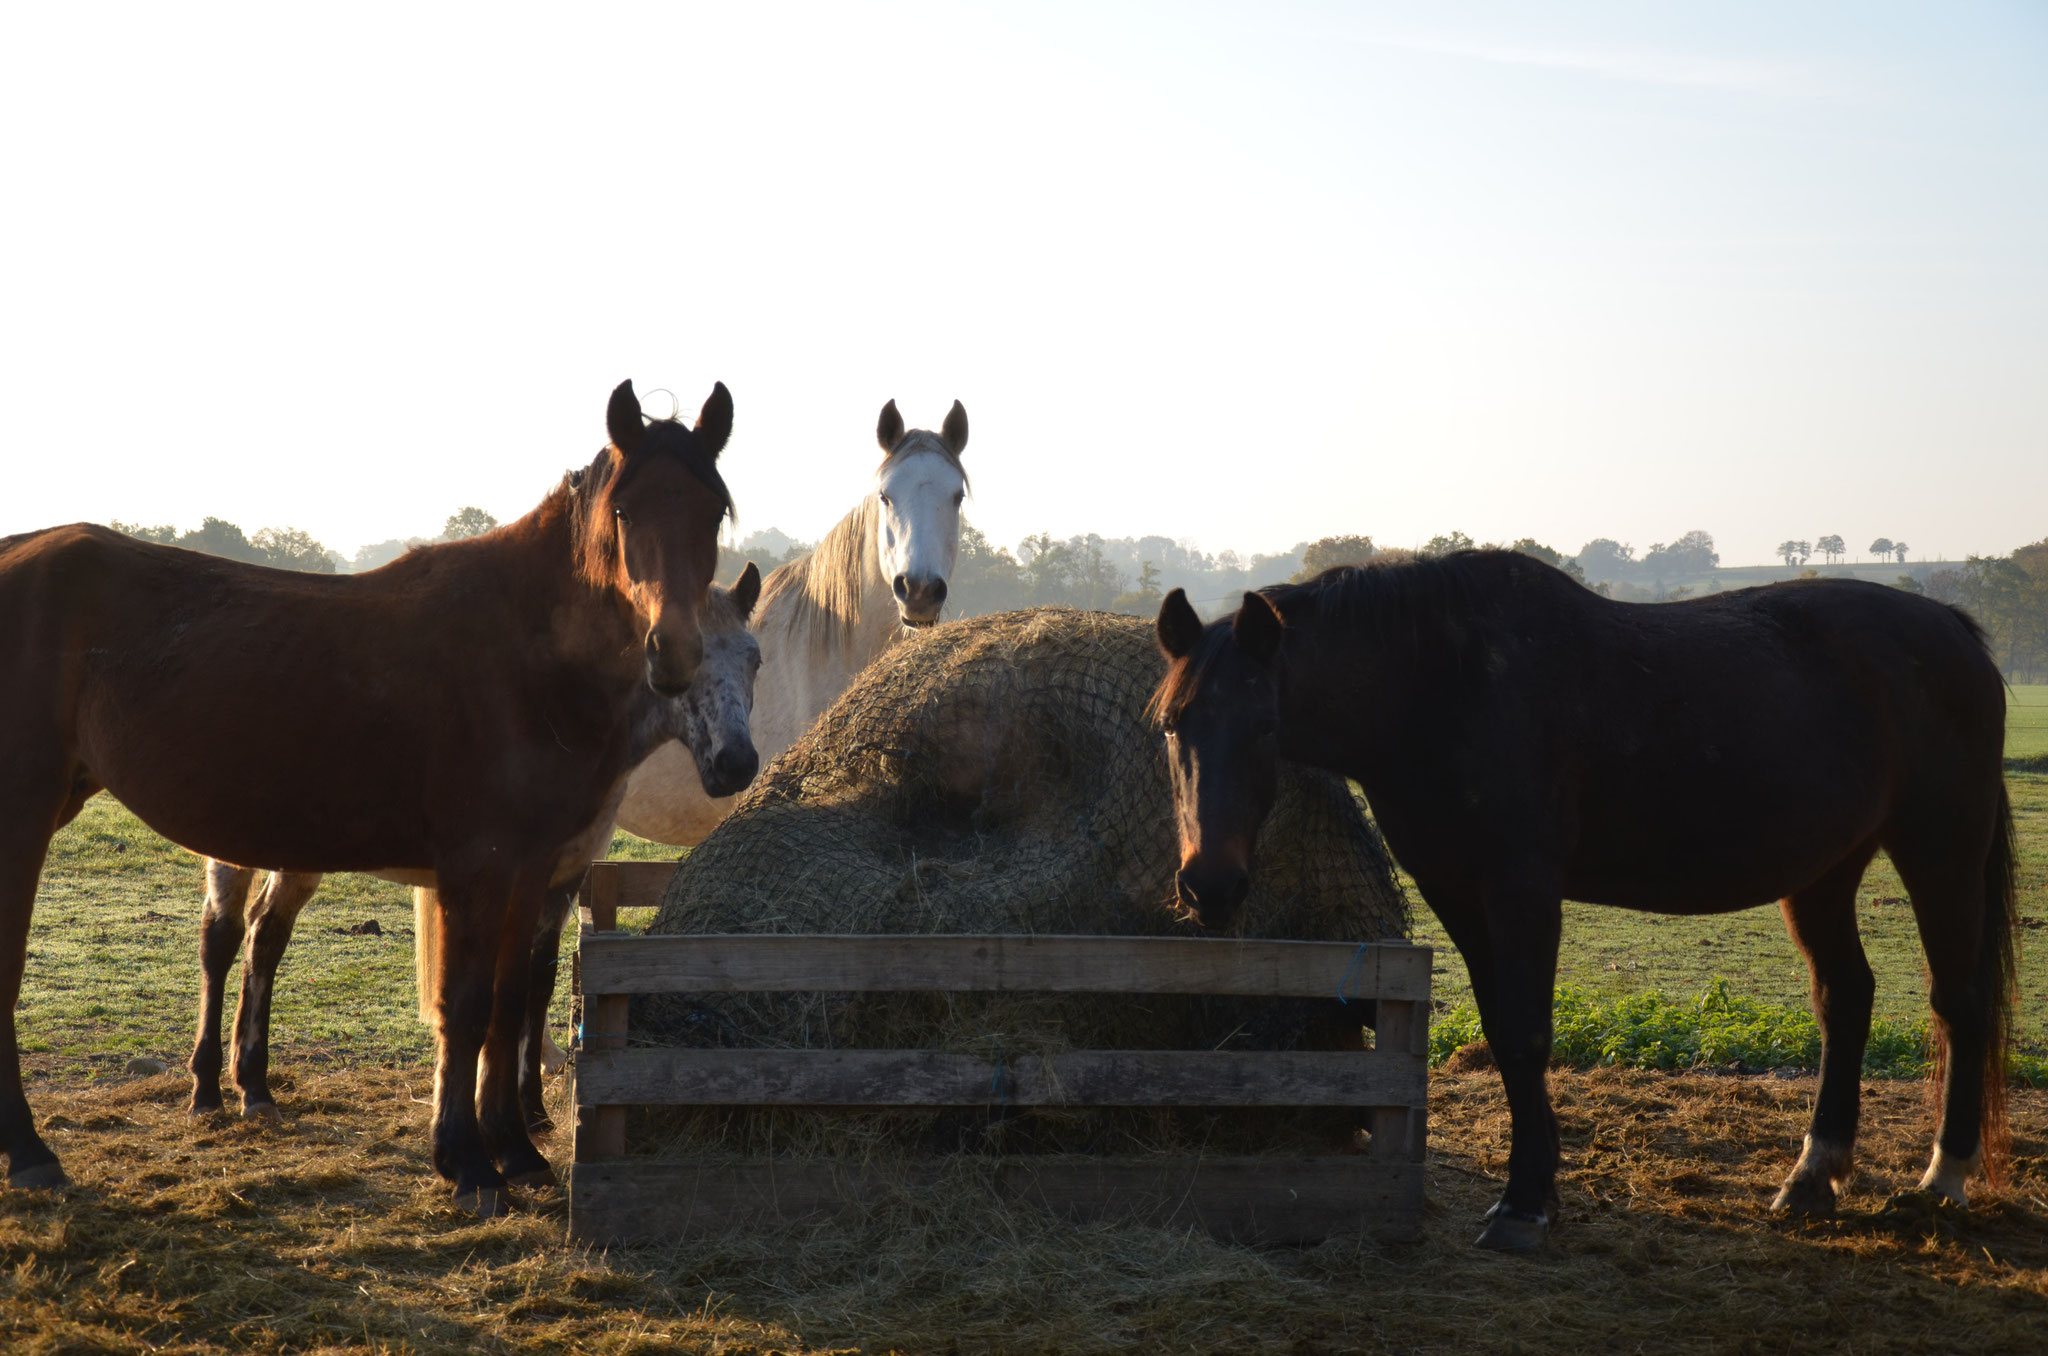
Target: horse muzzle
(1213,896)
(672,664)
(918,600)
(731,771)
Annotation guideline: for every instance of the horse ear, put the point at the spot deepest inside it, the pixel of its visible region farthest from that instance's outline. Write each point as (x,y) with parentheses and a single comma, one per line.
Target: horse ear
(747,591)
(714,421)
(889,431)
(953,433)
(622,418)
(1257,628)
(1180,626)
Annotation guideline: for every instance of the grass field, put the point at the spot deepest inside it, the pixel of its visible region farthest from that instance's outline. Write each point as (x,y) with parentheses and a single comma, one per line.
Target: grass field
(330,1233)
(2026,727)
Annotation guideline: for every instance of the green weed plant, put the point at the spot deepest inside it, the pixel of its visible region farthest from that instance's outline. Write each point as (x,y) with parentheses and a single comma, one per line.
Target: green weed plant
(1716,1030)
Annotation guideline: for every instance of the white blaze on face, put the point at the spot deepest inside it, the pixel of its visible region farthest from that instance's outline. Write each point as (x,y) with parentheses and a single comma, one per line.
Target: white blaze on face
(917,530)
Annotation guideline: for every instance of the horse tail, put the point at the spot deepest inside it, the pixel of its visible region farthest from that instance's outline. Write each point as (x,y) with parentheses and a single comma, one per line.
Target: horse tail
(1998,966)
(426,949)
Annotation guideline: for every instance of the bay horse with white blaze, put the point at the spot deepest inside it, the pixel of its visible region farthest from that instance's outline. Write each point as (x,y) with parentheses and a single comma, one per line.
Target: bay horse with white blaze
(503,671)
(710,721)
(1524,741)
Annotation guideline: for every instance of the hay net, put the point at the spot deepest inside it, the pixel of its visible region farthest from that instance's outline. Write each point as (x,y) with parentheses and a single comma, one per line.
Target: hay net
(998,774)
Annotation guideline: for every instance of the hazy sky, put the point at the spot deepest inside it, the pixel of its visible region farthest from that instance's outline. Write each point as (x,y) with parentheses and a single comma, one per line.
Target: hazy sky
(1246,274)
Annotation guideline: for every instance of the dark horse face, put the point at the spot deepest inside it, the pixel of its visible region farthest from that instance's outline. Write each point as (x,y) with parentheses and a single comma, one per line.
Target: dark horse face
(665,499)
(1220,706)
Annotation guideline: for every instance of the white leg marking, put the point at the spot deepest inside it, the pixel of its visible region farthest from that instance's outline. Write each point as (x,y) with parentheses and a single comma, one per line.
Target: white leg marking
(1825,1158)
(1948,1177)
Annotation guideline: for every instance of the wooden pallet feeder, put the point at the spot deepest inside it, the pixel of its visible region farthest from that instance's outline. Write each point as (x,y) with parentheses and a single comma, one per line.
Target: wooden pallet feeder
(1268,1198)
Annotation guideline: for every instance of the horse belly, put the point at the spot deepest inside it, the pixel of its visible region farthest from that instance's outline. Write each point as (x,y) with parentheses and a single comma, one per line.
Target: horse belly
(1717,862)
(665,801)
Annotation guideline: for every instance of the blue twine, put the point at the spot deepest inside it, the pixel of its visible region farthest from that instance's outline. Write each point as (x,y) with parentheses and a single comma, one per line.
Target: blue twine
(1357,966)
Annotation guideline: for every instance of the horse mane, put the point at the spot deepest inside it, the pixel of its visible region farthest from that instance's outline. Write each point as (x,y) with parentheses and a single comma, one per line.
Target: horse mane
(1432,609)
(824,587)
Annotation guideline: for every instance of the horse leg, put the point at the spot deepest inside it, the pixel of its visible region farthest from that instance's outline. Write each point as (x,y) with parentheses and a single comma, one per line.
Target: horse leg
(1822,921)
(533,1049)
(501,1114)
(1959,931)
(270,932)
(469,917)
(220,938)
(29,815)
(1522,929)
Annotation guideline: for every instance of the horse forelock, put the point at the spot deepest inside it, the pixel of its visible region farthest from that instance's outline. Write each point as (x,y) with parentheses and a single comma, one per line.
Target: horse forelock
(590,498)
(920,440)
(1184,676)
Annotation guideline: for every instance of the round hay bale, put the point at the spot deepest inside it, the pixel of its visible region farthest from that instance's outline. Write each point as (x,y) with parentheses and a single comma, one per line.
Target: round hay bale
(999,774)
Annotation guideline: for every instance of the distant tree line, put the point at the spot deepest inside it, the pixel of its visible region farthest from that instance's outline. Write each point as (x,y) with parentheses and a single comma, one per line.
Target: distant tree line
(285,548)
(289,548)
(2008,596)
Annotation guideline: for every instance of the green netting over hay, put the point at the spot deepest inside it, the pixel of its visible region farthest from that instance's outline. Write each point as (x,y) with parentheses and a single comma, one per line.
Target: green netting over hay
(998,774)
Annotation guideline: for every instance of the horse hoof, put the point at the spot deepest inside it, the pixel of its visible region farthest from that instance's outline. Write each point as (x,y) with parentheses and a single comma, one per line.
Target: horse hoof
(535,1178)
(263,1111)
(1804,1198)
(198,1109)
(484,1202)
(1513,1231)
(39,1177)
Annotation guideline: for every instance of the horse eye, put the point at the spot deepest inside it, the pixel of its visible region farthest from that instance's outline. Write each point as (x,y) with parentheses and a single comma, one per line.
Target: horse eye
(620,514)
(958,499)
(887,502)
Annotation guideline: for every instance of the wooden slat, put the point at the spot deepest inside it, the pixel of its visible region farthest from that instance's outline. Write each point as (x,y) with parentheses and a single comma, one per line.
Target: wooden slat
(626,885)
(670,1077)
(1271,1199)
(600,1129)
(724,963)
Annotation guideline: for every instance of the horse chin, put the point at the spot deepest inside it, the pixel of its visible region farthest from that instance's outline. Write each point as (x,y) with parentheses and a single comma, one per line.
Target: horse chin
(919,623)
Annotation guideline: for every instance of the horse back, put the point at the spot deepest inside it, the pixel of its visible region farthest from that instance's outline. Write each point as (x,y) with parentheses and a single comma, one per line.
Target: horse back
(307,721)
(1708,754)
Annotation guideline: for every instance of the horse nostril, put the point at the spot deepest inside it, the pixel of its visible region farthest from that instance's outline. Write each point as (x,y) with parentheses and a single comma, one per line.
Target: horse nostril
(938,591)
(902,587)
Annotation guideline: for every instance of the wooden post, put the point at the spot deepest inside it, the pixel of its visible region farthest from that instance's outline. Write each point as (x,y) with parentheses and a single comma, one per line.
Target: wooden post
(1398,1131)
(601,1130)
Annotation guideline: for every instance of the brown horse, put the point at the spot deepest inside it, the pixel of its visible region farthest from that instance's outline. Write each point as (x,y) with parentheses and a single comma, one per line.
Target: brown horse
(503,673)
(1524,741)
(710,720)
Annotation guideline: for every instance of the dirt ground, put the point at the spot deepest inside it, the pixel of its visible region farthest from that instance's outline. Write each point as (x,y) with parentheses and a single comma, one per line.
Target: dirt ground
(328,1233)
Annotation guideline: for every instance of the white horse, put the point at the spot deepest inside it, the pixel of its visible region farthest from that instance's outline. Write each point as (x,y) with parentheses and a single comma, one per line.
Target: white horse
(826,617)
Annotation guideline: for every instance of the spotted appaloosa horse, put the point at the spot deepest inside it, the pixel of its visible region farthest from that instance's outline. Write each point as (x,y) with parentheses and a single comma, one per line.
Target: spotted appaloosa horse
(1524,741)
(710,720)
(506,671)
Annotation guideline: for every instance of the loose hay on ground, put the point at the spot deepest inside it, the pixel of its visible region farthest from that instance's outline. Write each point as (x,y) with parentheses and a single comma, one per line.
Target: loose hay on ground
(999,774)
(329,1234)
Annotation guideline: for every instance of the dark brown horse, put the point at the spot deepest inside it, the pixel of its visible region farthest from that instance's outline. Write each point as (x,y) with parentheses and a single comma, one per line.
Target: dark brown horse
(503,674)
(1524,741)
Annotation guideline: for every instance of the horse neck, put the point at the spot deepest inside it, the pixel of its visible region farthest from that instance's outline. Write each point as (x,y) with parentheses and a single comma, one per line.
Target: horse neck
(536,561)
(1339,697)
